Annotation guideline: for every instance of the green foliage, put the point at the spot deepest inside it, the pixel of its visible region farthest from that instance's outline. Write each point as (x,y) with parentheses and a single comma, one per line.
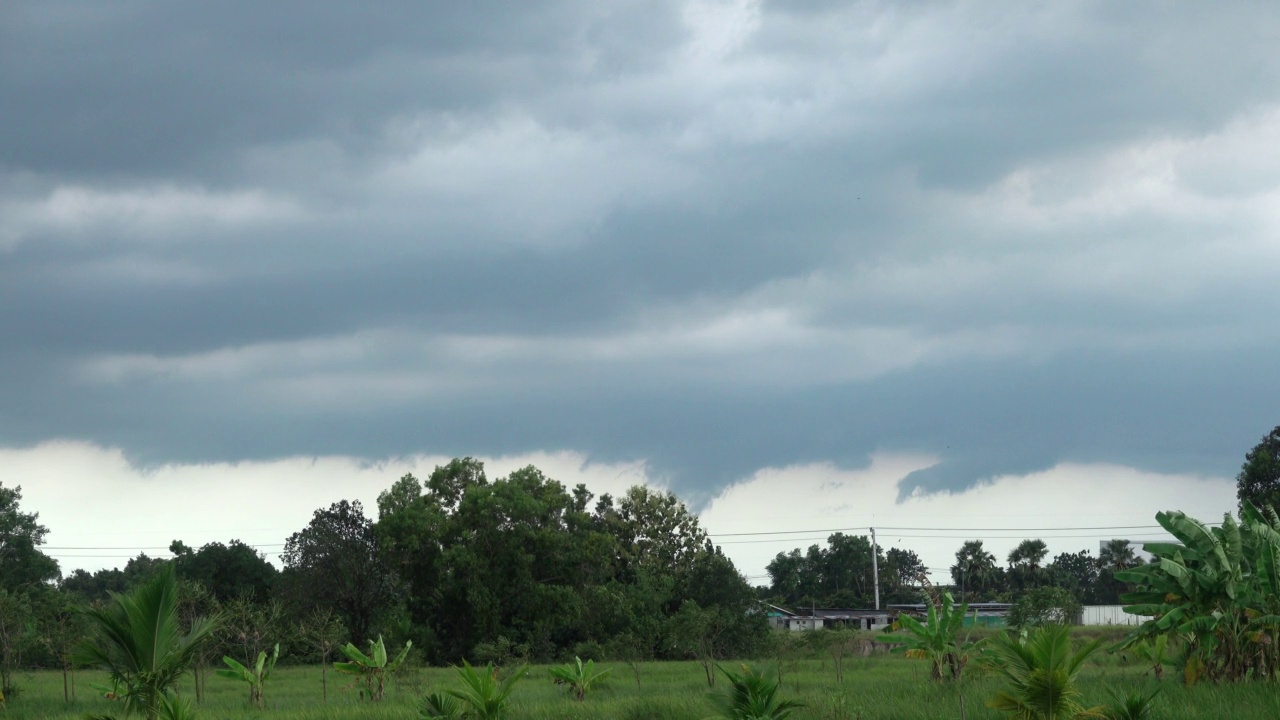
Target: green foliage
(22,564)
(578,677)
(1258,483)
(1040,674)
(137,640)
(15,613)
(256,677)
(938,638)
(1046,605)
(484,695)
(1153,650)
(229,571)
(1137,705)
(371,670)
(335,562)
(439,706)
(975,571)
(1220,588)
(752,695)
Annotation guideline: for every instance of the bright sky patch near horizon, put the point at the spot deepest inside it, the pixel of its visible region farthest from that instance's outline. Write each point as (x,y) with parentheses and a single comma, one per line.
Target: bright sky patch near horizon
(807,265)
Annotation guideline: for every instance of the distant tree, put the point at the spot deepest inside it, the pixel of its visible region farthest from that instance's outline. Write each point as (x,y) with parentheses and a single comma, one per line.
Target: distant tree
(91,588)
(1259,479)
(1026,563)
(1078,573)
(22,564)
(1046,605)
(15,635)
(1028,553)
(334,561)
(142,569)
(228,571)
(60,626)
(975,573)
(902,576)
(1116,555)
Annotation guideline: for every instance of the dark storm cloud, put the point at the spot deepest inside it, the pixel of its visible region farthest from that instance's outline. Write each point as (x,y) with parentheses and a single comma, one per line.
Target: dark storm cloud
(710,237)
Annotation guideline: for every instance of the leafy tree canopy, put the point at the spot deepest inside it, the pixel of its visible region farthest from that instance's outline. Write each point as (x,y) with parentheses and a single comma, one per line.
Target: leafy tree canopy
(22,564)
(1259,479)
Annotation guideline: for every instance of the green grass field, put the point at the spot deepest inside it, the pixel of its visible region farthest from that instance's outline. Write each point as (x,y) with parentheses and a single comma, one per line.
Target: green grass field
(888,687)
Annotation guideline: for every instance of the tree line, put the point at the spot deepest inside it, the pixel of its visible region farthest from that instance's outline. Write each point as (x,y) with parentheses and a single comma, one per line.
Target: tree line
(464,566)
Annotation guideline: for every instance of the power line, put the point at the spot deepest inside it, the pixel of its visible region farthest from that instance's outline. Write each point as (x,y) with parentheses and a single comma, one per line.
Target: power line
(145,547)
(940,529)
(897,536)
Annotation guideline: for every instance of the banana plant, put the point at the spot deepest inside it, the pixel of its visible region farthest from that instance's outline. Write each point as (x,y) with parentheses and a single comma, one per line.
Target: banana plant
(1154,651)
(578,677)
(371,670)
(1217,586)
(938,639)
(256,677)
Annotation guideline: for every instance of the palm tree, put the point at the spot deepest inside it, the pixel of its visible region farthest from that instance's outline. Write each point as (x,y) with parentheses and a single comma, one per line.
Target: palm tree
(137,640)
(1117,555)
(1041,672)
(1026,563)
(1029,554)
(975,568)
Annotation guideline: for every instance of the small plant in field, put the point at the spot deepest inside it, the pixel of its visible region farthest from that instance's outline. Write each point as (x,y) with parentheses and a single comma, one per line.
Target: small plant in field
(439,706)
(485,697)
(578,677)
(1153,650)
(838,707)
(137,640)
(1041,674)
(256,677)
(371,669)
(752,695)
(1134,706)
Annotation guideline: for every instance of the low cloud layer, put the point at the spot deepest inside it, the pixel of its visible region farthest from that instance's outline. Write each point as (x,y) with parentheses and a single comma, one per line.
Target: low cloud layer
(704,237)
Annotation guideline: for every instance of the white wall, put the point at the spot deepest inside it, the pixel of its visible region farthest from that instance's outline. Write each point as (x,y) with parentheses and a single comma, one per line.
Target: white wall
(1109,615)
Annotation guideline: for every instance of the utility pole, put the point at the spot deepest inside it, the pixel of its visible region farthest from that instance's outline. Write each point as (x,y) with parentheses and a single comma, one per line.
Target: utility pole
(875,565)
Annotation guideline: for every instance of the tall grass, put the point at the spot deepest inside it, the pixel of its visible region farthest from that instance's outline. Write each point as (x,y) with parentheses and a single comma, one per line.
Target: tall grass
(879,687)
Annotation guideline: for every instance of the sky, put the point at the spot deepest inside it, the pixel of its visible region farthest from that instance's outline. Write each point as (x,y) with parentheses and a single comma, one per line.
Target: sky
(960,266)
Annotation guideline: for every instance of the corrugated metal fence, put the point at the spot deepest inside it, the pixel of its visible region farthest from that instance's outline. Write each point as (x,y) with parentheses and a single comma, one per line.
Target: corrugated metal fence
(1109,615)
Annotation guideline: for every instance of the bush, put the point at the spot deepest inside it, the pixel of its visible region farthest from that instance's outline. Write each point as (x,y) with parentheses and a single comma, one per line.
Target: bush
(1045,606)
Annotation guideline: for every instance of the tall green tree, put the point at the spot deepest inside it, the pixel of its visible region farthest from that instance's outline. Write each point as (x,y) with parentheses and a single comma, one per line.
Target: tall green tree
(335,561)
(1078,573)
(413,530)
(1258,482)
(902,576)
(228,571)
(22,564)
(15,634)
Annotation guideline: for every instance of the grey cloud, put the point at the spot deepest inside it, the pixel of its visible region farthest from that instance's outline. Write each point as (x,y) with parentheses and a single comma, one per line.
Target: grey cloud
(845,169)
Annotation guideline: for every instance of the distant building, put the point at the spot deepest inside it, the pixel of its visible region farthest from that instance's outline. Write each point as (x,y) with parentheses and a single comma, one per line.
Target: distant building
(827,618)
(986,614)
